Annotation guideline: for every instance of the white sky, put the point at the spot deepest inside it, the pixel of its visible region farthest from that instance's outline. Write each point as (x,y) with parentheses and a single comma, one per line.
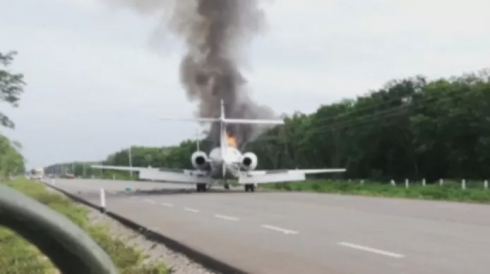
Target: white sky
(95,85)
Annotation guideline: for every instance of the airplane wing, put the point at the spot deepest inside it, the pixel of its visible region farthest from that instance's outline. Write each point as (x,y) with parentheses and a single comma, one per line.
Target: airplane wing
(280,176)
(184,176)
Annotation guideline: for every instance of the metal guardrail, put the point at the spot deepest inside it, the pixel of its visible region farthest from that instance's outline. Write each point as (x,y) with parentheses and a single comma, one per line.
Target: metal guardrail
(70,249)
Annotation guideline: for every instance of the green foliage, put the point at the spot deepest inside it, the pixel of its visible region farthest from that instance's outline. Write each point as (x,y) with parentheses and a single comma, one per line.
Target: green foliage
(409,128)
(11,161)
(11,86)
(17,256)
(127,259)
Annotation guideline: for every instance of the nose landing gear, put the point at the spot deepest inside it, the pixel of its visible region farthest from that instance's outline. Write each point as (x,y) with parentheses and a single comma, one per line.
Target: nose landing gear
(250,187)
(201,187)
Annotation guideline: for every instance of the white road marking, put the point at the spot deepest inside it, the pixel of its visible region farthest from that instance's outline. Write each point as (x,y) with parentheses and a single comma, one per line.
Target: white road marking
(191,210)
(149,201)
(283,230)
(373,250)
(226,217)
(166,204)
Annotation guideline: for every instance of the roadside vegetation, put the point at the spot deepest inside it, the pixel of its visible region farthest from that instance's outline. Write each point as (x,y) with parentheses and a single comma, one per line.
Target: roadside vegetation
(449,191)
(11,88)
(409,128)
(18,256)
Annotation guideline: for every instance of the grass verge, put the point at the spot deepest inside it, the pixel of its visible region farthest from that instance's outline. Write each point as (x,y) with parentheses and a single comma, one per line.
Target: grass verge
(450,191)
(19,257)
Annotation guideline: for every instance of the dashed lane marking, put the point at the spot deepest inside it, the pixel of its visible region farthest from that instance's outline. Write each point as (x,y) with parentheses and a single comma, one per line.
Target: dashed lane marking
(279,229)
(228,218)
(372,250)
(191,210)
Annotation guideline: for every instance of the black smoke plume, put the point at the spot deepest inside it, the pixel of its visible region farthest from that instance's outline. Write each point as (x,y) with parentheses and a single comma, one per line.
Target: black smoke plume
(214,32)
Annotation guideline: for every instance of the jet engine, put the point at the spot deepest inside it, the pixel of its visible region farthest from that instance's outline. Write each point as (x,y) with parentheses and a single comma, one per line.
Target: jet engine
(249,161)
(199,160)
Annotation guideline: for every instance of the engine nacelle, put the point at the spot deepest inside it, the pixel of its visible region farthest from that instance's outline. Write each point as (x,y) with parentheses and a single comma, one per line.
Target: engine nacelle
(199,160)
(249,161)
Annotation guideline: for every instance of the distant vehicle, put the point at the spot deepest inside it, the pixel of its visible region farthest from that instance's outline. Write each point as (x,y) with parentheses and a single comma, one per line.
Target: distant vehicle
(224,162)
(69,176)
(37,173)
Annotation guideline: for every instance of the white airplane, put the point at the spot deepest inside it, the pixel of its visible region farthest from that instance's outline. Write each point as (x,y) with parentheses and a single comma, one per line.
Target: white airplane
(224,162)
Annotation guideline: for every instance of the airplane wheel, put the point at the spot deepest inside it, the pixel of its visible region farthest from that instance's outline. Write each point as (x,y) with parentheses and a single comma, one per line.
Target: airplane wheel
(250,188)
(201,187)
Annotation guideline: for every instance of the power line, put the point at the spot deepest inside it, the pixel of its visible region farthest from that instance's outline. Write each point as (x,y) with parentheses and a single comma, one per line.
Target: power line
(371,106)
(417,90)
(413,105)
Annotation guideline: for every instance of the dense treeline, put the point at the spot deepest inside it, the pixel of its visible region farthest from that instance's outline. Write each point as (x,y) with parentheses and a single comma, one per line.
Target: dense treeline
(11,87)
(410,128)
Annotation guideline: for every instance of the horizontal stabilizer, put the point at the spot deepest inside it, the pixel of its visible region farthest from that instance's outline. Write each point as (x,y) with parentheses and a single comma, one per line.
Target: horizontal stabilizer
(227,121)
(254,121)
(200,120)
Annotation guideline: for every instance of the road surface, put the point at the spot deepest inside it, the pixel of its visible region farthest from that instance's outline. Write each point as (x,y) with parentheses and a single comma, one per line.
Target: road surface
(283,232)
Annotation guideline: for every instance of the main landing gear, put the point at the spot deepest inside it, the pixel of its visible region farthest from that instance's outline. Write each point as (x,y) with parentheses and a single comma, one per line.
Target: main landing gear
(226,185)
(250,187)
(201,187)
(204,187)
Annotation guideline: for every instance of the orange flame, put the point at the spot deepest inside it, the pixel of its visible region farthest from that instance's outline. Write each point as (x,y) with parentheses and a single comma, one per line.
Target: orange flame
(231,140)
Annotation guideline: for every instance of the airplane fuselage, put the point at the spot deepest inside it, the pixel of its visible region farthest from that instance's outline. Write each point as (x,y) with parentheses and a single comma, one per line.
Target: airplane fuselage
(225,164)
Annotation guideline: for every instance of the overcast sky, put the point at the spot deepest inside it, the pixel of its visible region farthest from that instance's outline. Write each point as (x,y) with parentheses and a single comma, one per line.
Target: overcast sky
(97,85)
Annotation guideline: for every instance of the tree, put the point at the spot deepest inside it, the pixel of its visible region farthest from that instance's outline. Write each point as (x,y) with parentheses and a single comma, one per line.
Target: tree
(408,128)
(11,161)
(11,86)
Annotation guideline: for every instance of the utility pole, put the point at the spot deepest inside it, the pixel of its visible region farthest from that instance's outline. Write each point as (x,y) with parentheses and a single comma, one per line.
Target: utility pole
(130,163)
(197,139)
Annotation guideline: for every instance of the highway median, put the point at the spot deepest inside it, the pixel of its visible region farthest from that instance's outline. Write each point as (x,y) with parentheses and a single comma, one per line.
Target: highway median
(19,256)
(473,191)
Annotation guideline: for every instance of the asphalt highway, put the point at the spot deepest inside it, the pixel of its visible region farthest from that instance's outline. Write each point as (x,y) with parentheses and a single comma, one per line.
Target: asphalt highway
(269,232)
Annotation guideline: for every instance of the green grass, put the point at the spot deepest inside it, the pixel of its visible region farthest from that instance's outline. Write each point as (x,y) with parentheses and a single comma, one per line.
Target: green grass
(19,257)
(450,191)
